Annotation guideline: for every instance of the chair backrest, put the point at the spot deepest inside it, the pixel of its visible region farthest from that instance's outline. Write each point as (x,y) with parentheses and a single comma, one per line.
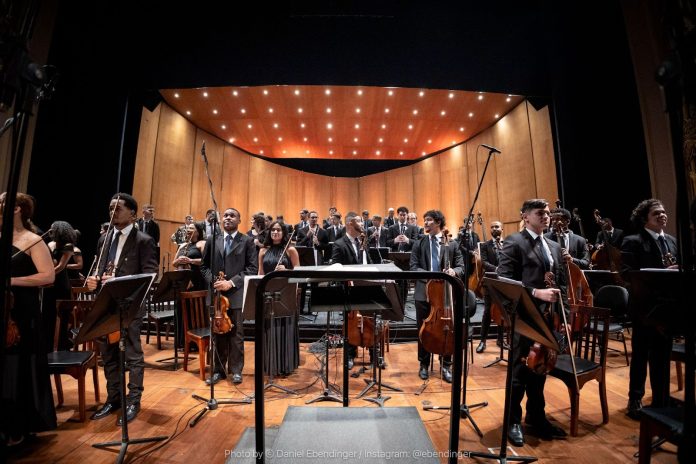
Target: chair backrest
(193,309)
(70,314)
(82,293)
(591,339)
(615,298)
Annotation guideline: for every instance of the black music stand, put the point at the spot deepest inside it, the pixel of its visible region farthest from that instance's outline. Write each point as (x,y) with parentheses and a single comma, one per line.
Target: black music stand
(599,278)
(306,255)
(402,260)
(324,299)
(526,319)
(379,254)
(117,305)
(168,289)
(280,300)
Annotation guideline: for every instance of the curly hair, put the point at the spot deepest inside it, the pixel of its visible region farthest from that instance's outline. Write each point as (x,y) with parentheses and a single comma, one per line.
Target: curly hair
(63,233)
(639,215)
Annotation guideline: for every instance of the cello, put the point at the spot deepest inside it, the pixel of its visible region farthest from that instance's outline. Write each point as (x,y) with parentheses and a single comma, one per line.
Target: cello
(437,332)
(476,277)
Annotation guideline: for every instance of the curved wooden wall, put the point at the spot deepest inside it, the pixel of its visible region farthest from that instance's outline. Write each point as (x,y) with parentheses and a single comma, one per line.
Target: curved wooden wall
(170,174)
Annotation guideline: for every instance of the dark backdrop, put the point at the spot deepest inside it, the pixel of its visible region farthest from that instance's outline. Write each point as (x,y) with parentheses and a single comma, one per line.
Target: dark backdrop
(573,57)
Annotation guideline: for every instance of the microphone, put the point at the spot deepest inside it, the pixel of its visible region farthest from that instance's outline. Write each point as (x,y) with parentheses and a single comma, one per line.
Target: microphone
(493,149)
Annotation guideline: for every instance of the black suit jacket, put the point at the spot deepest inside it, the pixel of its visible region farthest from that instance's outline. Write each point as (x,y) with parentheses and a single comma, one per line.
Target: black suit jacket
(489,256)
(153,229)
(641,251)
(383,236)
(388,222)
(344,253)
(304,239)
(138,255)
(395,231)
(616,237)
(241,261)
(577,248)
(335,235)
(420,261)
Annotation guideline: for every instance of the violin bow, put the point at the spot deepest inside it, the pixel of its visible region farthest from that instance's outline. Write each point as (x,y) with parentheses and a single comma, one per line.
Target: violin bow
(96,262)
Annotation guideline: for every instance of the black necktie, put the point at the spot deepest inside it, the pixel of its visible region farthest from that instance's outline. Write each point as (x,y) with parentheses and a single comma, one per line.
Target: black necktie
(663,245)
(434,255)
(228,245)
(357,246)
(544,257)
(403,229)
(111,257)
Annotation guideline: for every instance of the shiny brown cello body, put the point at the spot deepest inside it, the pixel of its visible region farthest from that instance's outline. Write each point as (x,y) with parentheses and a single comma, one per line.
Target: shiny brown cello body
(476,277)
(221,321)
(437,332)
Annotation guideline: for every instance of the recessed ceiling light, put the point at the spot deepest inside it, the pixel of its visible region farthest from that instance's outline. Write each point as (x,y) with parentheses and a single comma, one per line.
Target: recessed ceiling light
(461,129)
(330,139)
(235,93)
(256,139)
(360,92)
(357,126)
(188,113)
(328,110)
(386,110)
(215,111)
(355,152)
(378,153)
(327,91)
(299,110)
(307,151)
(243,111)
(405,140)
(330,152)
(284,151)
(384,126)
(329,126)
(304,139)
(297,91)
(453,142)
(508,99)
(270,110)
(480,97)
(497,116)
(302,125)
(249,126)
(415,112)
(280,139)
(231,139)
(443,112)
(430,141)
(355,139)
(401,153)
(223,127)
(357,110)
(265,92)
(410,127)
(176,95)
(451,95)
(422,153)
(381,140)
(205,94)
(261,151)
(390,93)
(275,125)
(421,93)
(471,115)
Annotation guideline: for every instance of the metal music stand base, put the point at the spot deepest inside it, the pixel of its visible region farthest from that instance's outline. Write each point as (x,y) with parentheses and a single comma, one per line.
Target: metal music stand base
(499,358)
(326,395)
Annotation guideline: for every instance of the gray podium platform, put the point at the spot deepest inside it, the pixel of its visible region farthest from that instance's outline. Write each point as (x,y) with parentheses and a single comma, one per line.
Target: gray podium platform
(342,435)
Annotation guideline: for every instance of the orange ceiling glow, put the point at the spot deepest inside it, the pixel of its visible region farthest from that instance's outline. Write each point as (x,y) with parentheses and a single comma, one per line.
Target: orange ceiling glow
(340,122)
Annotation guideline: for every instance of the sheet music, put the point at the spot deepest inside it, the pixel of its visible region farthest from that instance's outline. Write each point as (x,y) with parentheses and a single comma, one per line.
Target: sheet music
(247,278)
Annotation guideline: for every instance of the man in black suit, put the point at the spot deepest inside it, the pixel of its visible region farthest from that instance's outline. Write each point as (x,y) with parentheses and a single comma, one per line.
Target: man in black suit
(615,236)
(389,220)
(574,246)
(335,231)
(402,234)
(304,222)
(377,233)
(348,250)
(328,222)
(651,247)
(412,219)
(430,254)
(528,257)
(490,251)
(128,251)
(469,246)
(315,237)
(235,255)
(149,226)
(207,224)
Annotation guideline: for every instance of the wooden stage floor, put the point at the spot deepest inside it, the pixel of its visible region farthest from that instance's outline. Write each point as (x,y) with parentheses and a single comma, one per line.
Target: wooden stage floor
(167,406)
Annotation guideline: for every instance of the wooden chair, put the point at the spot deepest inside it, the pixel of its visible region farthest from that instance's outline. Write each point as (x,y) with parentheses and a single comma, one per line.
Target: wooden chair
(69,317)
(158,313)
(590,344)
(615,298)
(196,325)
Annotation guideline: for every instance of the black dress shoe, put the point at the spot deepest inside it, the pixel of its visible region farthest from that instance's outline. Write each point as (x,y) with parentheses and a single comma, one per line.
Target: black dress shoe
(215,379)
(105,410)
(633,409)
(515,435)
(423,372)
(132,410)
(236,378)
(350,363)
(481,347)
(447,374)
(545,429)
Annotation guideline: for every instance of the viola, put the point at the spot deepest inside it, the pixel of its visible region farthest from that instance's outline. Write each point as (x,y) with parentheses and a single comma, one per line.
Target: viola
(540,359)
(12,336)
(437,332)
(221,321)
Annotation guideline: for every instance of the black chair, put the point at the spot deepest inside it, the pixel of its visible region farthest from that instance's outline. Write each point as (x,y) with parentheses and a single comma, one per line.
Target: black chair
(615,298)
(157,314)
(590,360)
(75,363)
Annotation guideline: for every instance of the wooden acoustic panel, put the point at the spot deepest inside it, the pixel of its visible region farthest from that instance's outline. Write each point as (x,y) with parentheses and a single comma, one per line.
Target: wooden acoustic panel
(145,155)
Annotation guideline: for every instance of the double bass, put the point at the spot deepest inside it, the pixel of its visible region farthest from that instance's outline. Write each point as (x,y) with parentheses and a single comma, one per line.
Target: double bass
(437,332)
(607,257)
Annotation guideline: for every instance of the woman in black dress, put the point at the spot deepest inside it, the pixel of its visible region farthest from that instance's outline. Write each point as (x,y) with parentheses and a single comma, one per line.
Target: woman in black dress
(190,254)
(27,400)
(286,355)
(61,246)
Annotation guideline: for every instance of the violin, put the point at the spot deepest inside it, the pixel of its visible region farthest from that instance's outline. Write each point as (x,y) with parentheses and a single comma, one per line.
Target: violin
(221,321)
(437,332)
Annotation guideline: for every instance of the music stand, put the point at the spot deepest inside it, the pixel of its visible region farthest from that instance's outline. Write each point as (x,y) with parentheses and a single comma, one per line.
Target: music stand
(599,278)
(402,260)
(526,319)
(280,299)
(324,299)
(168,289)
(379,254)
(117,305)
(306,256)
(370,297)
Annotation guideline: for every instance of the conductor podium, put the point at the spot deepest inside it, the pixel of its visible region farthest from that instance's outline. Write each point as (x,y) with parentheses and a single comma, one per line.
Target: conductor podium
(118,303)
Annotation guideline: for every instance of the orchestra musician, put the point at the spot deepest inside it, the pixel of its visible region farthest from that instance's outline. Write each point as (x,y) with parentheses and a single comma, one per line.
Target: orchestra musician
(236,257)
(389,220)
(130,251)
(314,236)
(528,257)
(614,235)
(402,234)
(651,247)
(422,260)
(377,233)
(490,252)
(574,247)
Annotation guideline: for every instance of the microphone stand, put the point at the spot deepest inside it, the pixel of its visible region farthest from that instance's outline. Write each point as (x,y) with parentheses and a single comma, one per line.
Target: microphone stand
(212,403)
(465,410)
